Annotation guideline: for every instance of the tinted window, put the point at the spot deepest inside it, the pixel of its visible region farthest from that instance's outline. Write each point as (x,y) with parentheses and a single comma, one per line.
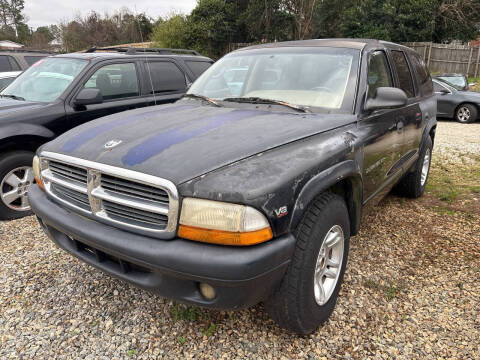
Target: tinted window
(32,59)
(379,74)
(4,63)
(423,74)
(5,82)
(13,64)
(198,67)
(166,77)
(403,72)
(115,81)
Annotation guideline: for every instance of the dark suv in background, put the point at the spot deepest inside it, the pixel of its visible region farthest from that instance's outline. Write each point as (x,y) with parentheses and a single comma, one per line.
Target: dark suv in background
(19,60)
(60,92)
(250,187)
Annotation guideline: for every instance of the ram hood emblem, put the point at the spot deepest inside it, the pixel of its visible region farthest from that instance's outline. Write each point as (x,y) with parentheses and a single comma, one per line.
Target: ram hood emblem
(111,144)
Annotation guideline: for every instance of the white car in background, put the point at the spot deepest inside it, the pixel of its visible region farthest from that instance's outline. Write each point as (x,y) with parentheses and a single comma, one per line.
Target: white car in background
(7,77)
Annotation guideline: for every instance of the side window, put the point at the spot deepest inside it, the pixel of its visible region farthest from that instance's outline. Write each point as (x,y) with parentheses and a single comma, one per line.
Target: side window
(379,74)
(4,63)
(115,81)
(422,72)
(438,88)
(13,64)
(403,71)
(198,67)
(166,77)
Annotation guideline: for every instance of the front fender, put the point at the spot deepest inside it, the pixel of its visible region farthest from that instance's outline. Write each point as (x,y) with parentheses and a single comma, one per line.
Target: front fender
(24,129)
(345,173)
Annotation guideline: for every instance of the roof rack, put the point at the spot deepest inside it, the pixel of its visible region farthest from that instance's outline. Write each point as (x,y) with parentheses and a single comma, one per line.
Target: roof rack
(27,51)
(139,51)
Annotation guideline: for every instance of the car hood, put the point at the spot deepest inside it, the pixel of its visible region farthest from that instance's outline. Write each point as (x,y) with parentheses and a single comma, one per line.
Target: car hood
(182,141)
(9,106)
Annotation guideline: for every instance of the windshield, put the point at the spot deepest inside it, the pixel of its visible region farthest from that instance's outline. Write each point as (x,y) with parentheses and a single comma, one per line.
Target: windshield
(314,78)
(458,82)
(45,80)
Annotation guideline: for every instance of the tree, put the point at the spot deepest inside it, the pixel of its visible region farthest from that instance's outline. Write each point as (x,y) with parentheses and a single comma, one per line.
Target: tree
(171,32)
(211,26)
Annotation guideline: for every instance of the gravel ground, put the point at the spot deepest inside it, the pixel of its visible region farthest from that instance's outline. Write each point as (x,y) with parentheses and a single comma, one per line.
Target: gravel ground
(411,291)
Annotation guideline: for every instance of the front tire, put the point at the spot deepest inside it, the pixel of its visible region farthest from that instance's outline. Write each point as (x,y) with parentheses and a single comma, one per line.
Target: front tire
(308,293)
(466,113)
(16,176)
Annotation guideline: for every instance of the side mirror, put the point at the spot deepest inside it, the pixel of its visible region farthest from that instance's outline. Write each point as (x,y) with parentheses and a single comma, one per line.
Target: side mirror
(444,91)
(472,84)
(88,96)
(386,98)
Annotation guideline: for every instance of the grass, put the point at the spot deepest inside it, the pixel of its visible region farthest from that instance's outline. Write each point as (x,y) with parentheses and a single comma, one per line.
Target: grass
(131,353)
(449,184)
(183,312)
(390,291)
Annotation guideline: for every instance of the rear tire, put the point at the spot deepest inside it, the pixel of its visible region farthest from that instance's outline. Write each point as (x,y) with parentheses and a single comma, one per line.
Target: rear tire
(308,293)
(413,183)
(466,113)
(16,176)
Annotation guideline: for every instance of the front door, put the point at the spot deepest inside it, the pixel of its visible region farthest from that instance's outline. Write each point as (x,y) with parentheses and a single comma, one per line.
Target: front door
(383,130)
(120,88)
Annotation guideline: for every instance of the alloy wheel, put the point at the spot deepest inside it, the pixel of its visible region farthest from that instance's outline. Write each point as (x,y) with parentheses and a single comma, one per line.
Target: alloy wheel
(329,265)
(14,188)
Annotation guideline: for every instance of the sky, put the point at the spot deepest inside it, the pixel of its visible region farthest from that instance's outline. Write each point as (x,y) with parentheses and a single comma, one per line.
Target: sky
(47,12)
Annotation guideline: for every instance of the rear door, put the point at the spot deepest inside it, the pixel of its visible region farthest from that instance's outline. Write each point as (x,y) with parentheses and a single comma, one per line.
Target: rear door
(410,118)
(120,85)
(164,81)
(384,137)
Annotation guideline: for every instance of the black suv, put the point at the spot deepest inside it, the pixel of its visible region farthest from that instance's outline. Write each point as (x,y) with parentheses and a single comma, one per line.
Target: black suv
(60,92)
(249,189)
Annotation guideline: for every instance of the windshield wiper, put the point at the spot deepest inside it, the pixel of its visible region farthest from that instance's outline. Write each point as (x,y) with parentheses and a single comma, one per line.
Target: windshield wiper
(15,97)
(196,96)
(259,100)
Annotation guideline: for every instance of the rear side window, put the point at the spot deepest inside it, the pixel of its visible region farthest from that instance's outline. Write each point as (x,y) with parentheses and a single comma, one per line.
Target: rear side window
(166,77)
(32,59)
(13,64)
(423,74)
(403,72)
(379,74)
(198,67)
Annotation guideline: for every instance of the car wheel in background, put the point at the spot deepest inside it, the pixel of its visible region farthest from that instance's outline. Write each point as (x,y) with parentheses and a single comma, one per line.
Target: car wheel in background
(309,290)
(466,113)
(16,176)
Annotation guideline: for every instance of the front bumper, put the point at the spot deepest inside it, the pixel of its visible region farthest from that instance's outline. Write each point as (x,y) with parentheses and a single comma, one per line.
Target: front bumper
(241,276)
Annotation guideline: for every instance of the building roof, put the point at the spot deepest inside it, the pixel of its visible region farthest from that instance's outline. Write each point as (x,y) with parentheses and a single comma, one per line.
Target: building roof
(11,44)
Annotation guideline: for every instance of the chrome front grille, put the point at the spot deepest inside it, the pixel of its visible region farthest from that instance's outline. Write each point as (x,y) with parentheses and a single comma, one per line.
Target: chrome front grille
(120,197)
(68,172)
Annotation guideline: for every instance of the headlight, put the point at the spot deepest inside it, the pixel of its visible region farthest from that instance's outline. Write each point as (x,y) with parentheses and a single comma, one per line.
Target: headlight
(222,223)
(36,171)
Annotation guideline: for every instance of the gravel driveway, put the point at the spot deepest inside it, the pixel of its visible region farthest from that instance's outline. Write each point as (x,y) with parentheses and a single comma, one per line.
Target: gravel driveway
(411,291)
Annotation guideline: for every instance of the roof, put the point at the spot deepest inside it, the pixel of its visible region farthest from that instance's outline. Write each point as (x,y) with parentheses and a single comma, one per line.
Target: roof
(10,43)
(334,42)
